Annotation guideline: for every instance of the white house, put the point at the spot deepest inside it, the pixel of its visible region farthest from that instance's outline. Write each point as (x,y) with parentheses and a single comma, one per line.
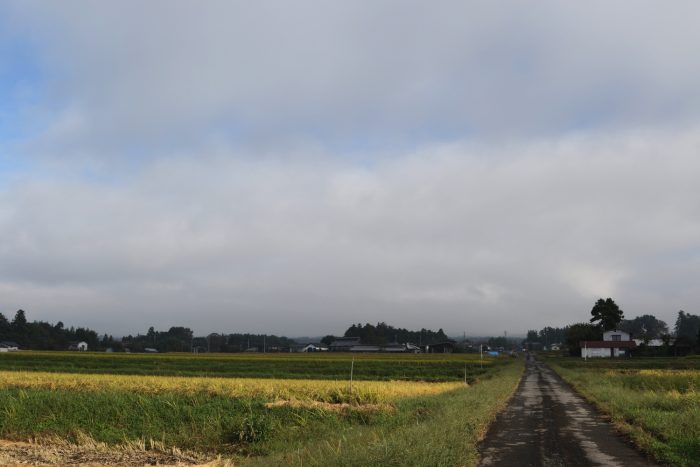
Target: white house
(79,346)
(615,343)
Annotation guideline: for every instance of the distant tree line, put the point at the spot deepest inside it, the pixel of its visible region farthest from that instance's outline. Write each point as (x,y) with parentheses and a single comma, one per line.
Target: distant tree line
(40,335)
(545,336)
(180,339)
(175,339)
(240,342)
(383,333)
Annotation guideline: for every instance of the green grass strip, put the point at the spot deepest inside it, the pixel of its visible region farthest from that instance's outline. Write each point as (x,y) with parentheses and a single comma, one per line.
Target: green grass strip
(433,431)
(660,412)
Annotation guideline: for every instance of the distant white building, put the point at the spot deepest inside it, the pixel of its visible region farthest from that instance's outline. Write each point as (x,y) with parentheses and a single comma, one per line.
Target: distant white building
(8,346)
(653,342)
(615,343)
(79,346)
(313,348)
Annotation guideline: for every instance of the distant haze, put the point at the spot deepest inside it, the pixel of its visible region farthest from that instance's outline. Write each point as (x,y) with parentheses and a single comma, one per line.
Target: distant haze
(296,167)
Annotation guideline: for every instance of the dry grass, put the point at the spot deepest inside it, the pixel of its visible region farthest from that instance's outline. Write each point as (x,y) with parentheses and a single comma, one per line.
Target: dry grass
(52,450)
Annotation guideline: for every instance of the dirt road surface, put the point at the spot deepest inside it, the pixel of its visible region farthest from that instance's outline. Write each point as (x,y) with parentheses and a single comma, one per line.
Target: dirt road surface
(547,424)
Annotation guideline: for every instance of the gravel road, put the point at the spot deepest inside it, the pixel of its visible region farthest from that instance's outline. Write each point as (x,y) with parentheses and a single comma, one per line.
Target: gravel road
(547,424)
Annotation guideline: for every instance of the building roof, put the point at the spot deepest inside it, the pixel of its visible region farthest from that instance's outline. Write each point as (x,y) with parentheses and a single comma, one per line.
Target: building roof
(345,342)
(443,343)
(365,348)
(608,344)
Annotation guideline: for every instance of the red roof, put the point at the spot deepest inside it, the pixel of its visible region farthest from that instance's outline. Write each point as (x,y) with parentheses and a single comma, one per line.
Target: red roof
(608,344)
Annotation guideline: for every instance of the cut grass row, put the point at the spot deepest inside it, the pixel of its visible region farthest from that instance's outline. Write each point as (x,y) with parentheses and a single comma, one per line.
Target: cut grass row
(295,366)
(659,409)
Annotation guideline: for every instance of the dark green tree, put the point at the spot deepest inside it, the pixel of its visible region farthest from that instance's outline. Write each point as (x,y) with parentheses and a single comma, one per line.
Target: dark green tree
(19,328)
(687,325)
(606,314)
(4,327)
(581,332)
(645,327)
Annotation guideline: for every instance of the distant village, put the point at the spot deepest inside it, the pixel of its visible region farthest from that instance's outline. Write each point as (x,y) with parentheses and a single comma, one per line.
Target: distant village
(606,335)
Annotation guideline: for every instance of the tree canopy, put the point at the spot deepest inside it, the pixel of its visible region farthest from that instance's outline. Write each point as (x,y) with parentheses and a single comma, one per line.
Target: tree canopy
(382,334)
(581,332)
(40,335)
(645,327)
(606,314)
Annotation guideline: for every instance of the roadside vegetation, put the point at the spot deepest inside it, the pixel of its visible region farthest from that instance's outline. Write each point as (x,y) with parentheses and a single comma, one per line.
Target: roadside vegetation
(436,419)
(656,401)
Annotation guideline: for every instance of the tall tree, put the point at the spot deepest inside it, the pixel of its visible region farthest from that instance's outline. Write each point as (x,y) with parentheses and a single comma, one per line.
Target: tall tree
(645,327)
(581,332)
(606,314)
(19,327)
(532,336)
(4,327)
(687,325)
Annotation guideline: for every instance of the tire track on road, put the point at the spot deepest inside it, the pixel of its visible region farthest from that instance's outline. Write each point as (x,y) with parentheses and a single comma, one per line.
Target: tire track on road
(548,424)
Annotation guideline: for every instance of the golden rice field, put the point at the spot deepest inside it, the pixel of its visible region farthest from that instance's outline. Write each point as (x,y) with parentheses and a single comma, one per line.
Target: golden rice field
(170,409)
(258,388)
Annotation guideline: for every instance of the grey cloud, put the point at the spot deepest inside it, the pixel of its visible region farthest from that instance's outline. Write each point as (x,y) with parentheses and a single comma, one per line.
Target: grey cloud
(480,238)
(144,78)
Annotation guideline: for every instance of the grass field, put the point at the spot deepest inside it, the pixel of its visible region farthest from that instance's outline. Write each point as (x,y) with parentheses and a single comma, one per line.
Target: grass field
(654,400)
(264,420)
(435,367)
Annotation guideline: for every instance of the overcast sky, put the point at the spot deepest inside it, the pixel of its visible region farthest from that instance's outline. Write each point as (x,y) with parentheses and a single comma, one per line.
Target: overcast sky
(295,167)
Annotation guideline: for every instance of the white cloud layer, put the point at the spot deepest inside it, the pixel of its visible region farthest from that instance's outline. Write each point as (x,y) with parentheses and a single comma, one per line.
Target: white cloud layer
(134,77)
(297,167)
(448,236)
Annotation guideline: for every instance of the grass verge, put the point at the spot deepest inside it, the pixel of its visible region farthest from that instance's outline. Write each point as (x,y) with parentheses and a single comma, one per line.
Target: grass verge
(441,430)
(658,409)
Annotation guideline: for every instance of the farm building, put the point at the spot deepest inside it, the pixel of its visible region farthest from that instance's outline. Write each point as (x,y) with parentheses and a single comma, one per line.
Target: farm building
(615,343)
(401,348)
(353,344)
(312,348)
(440,347)
(9,346)
(344,344)
(365,348)
(79,346)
